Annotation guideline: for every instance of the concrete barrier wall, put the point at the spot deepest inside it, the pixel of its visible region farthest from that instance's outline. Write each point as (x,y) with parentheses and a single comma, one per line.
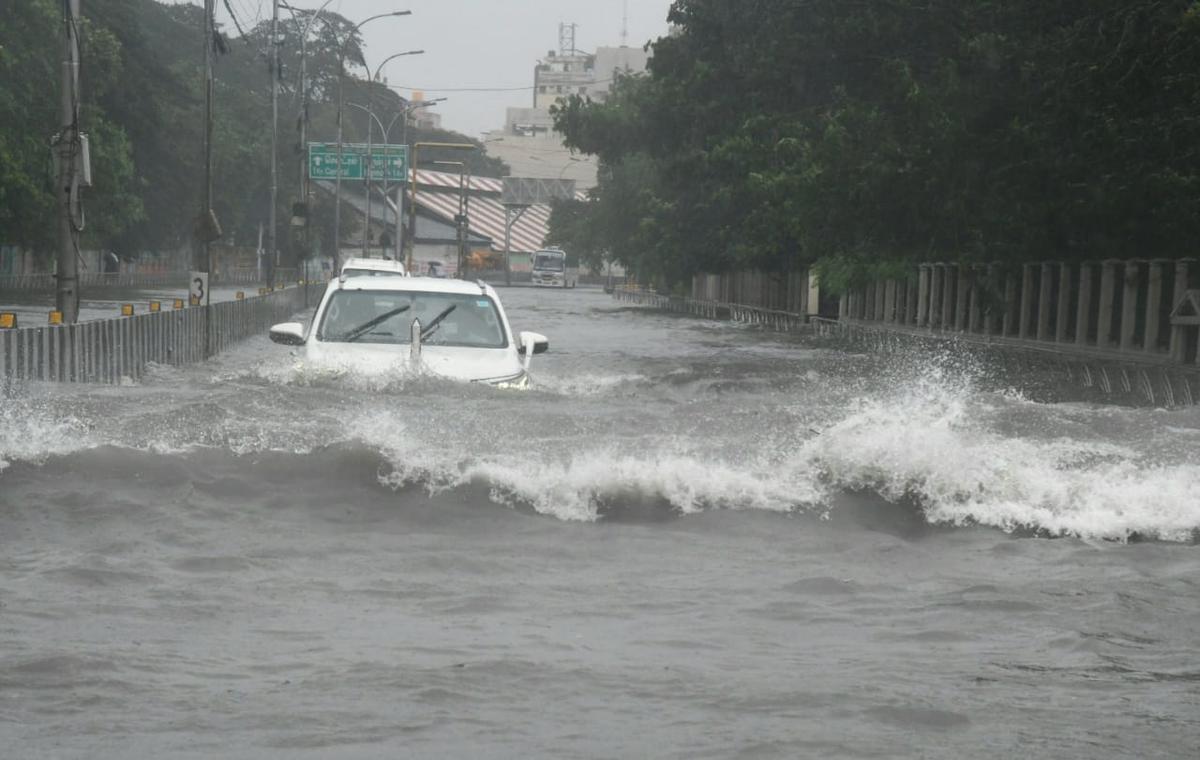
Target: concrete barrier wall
(109,350)
(1138,308)
(792,292)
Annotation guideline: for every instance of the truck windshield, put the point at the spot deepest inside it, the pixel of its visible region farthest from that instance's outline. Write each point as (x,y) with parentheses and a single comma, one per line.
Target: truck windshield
(548,262)
(387,316)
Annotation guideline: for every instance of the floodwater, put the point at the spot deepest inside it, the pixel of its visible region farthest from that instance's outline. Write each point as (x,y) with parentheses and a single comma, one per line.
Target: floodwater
(691,540)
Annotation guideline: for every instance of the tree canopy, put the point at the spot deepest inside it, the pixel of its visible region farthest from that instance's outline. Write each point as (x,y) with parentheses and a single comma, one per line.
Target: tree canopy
(143,97)
(860,136)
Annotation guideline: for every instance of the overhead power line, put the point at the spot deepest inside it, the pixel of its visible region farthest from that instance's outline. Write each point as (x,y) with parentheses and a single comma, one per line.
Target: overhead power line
(477,89)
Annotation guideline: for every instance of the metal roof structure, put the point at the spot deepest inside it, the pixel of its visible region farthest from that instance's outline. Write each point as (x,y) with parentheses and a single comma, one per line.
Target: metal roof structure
(437,193)
(430,229)
(437,198)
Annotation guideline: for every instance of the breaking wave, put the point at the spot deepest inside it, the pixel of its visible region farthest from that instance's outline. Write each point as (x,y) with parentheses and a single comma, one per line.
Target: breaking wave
(934,443)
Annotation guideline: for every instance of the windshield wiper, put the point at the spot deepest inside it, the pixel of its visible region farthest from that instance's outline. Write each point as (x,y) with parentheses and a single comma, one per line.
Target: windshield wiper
(364,328)
(434,323)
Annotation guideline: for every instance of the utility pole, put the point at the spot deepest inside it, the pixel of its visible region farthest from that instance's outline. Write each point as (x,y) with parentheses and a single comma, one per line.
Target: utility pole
(70,160)
(208,229)
(272,242)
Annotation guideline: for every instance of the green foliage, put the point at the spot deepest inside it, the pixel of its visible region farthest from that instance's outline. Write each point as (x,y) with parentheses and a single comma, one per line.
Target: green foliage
(143,97)
(782,133)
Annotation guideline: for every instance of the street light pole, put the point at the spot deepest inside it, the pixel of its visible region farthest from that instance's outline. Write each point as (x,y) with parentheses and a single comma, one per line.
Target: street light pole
(413,205)
(305,185)
(370,132)
(69,147)
(337,194)
(387,132)
(272,242)
(462,228)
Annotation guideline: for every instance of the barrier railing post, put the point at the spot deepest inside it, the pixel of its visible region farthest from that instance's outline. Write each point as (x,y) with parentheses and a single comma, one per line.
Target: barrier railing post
(1104,319)
(1026,301)
(1083,310)
(1131,274)
(1062,319)
(1154,294)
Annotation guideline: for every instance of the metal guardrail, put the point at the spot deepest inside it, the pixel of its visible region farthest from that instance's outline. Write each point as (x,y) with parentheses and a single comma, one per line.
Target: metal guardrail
(773,319)
(112,350)
(45,282)
(1153,380)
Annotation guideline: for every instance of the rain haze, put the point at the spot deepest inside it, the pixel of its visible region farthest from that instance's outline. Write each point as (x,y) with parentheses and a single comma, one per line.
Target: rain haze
(479,54)
(831,389)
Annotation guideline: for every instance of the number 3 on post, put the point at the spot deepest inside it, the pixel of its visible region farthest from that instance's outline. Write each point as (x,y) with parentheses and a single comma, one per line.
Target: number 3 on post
(198,290)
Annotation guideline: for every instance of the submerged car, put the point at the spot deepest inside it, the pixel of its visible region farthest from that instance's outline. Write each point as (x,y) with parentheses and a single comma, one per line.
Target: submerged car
(360,267)
(450,328)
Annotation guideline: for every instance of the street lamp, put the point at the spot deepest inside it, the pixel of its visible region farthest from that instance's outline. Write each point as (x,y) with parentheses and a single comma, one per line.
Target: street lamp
(413,205)
(370,135)
(304,183)
(386,132)
(337,185)
(568,165)
(462,221)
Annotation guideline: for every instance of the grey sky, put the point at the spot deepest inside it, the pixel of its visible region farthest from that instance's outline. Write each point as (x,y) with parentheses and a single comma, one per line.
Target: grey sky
(485,44)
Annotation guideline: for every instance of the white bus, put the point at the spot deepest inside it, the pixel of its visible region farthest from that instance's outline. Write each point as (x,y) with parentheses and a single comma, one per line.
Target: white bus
(553,269)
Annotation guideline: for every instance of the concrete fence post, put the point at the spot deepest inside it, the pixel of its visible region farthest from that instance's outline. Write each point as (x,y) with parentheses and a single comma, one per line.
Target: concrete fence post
(1011,316)
(1178,332)
(923,275)
(910,315)
(889,301)
(1104,319)
(1154,297)
(975,307)
(1131,277)
(1062,320)
(1027,301)
(989,287)
(936,290)
(962,290)
(1083,310)
(1045,301)
(949,288)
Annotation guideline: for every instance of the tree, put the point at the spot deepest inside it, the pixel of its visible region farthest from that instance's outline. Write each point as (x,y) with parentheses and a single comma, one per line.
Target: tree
(861,136)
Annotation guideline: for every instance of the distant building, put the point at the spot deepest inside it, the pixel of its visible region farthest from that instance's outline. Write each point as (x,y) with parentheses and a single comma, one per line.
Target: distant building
(528,143)
(573,72)
(612,62)
(424,117)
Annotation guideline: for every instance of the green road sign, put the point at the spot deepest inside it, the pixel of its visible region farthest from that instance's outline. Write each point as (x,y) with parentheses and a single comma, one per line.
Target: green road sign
(388,162)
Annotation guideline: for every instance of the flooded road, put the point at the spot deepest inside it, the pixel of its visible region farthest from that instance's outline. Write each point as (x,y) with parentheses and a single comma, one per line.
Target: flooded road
(691,539)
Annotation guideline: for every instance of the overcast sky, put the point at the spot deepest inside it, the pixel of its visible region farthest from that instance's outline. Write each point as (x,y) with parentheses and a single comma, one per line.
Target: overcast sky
(475,44)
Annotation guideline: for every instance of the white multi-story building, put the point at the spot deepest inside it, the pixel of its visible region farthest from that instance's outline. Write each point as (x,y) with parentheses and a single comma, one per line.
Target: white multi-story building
(528,143)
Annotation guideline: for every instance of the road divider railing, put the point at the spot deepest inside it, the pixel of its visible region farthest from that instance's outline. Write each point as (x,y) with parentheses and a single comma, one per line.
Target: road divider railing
(119,349)
(771,319)
(44,282)
(1144,310)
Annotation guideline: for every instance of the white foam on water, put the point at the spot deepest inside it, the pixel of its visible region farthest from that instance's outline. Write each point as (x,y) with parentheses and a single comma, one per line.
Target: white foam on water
(29,432)
(579,487)
(586,385)
(931,443)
